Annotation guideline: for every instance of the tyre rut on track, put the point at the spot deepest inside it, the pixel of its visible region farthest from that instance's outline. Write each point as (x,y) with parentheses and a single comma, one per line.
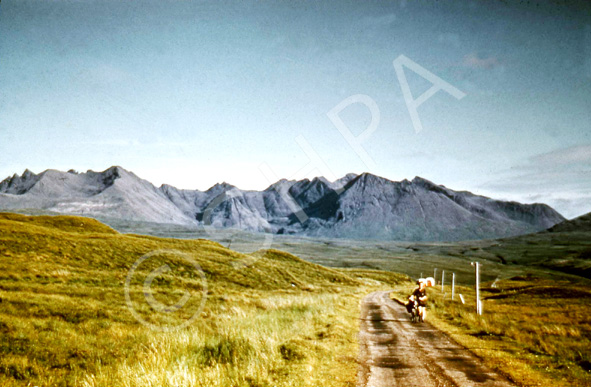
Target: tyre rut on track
(395,352)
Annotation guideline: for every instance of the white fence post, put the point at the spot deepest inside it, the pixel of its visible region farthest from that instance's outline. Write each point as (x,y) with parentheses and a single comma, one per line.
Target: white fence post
(453,285)
(478,303)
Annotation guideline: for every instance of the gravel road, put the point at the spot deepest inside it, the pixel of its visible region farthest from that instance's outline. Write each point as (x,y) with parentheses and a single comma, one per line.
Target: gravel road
(395,352)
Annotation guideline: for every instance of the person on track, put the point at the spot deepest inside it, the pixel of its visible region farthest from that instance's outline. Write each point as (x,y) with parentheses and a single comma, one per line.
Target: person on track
(420,295)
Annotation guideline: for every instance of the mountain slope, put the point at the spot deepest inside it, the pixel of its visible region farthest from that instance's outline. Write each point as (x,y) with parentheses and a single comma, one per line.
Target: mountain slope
(357,207)
(376,208)
(114,192)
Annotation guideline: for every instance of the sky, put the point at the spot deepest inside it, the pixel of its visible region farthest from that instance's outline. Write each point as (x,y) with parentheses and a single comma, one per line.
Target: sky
(195,92)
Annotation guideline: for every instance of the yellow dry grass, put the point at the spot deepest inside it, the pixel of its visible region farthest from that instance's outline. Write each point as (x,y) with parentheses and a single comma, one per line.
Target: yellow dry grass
(266,319)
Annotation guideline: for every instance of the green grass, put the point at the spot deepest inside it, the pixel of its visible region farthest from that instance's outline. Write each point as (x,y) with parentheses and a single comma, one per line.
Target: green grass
(535,331)
(562,252)
(269,318)
(264,319)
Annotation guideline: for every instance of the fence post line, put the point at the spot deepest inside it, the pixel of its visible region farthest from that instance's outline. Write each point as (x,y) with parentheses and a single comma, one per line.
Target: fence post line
(442,279)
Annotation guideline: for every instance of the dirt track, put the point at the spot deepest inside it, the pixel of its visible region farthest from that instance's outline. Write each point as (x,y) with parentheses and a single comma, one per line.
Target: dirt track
(395,352)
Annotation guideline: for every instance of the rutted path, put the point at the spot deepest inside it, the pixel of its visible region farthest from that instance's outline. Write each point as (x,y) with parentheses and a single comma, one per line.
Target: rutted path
(395,352)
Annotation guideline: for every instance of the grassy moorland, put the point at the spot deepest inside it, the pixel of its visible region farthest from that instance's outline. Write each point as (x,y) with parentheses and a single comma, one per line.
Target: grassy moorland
(264,319)
(566,248)
(536,331)
(270,318)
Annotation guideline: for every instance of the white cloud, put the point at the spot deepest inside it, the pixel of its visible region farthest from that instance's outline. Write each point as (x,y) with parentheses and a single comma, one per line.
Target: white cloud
(561,179)
(567,156)
(569,204)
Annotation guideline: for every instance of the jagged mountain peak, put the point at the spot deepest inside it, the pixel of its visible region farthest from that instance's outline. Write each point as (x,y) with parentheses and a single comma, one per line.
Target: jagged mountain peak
(168,186)
(57,184)
(315,182)
(281,185)
(364,206)
(305,192)
(321,179)
(369,178)
(368,183)
(343,181)
(220,187)
(349,176)
(422,181)
(18,185)
(27,174)
(114,170)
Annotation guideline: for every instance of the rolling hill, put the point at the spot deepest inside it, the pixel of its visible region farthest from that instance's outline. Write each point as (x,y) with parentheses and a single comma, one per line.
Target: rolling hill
(580,224)
(83,305)
(565,247)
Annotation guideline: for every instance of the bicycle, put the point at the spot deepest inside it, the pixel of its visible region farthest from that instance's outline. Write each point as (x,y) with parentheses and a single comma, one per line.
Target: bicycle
(412,307)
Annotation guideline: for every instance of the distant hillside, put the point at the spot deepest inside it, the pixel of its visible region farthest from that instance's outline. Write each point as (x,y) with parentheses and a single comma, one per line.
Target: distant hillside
(75,224)
(565,247)
(355,207)
(582,223)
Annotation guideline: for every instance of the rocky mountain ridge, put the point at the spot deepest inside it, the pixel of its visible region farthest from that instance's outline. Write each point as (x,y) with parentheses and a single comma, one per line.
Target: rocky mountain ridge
(357,206)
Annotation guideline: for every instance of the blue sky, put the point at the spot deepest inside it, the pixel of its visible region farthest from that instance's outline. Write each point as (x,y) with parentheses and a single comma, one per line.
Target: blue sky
(191,93)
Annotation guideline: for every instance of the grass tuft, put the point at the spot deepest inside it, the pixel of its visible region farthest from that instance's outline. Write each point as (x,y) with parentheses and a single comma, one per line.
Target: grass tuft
(224,350)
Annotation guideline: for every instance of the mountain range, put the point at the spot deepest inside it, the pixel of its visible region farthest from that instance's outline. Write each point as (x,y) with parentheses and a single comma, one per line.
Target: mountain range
(356,206)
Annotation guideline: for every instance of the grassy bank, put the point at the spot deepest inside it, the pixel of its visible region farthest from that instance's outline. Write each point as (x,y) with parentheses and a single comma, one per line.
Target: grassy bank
(535,331)
(266,319)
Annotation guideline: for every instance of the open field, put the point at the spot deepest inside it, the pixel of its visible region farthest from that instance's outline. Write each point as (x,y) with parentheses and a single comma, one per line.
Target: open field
(269,319)
(565,249)
(564,252)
